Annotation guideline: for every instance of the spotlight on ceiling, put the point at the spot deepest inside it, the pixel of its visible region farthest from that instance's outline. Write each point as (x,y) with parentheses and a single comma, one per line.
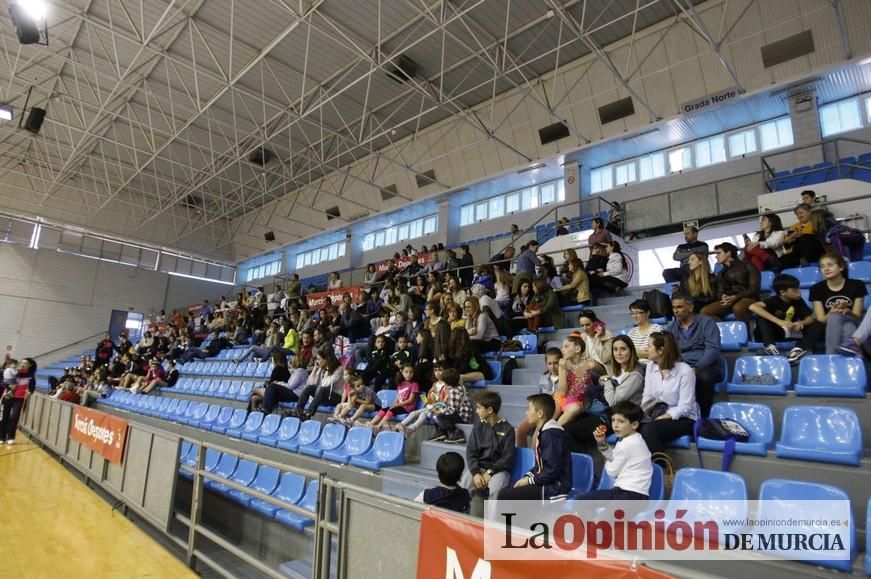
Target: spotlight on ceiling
(5,112)
(28,17)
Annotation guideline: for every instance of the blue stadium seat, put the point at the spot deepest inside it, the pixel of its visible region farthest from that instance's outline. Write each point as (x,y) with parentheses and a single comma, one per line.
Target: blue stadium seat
(386,398)
(331,438)
(756,418)
(251,425)
(496,367)
(582,473)
(832,375)
(288,429)
(807,276)
(358,441)
(388,450)
(681,442)
(782,492)
(250,370)
(179,411)
(212,458)
(657,483)
(233,390)
(161,410)
(766,278)
(222,420)
(822,434)
(699,484)
(173,404)
(868,540)
(309,431)
(289,490)
(724,370)
(524,461)
(269,426)
(265,482)
(210,417)
(244,475)
(221,389)
(245,389)
(844,166)
(309,502)
(264,369)
(776,366)
(733,336)
(212,390)
(195,385)
(225,469)
(860,270)
(237,419)
(199,413)
(204,386)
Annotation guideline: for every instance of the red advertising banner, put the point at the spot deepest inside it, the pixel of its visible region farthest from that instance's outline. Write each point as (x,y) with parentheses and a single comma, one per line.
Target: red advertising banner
(403,262)
(102,433)
(316,301)
(453,546)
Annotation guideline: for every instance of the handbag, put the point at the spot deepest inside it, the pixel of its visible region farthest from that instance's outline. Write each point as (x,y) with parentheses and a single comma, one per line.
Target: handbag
(725,429)
(653,409)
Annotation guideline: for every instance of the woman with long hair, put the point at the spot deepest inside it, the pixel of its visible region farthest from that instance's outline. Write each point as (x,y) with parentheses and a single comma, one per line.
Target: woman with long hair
(626,379)
(544,310)
(669,398)
(766,247)
(481,328)
(802,243)
(278,379)
(616,275)
(502,286)
(466,359)
(837,301)
(699,282)
(600,234)
(577,290)
(324,385)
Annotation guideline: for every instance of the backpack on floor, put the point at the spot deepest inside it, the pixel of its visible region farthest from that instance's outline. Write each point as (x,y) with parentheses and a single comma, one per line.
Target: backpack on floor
(724,429)
(660,304)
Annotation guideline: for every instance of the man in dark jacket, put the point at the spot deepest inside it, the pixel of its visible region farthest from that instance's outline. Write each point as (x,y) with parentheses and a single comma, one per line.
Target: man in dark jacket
(489,452)
(551,477)
(467,265)
(682,254)
(353,325)
(737,286)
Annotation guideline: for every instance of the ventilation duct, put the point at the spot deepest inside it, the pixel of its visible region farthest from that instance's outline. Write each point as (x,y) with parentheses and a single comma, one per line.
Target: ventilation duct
(424,179)
(552,133)
(616,110)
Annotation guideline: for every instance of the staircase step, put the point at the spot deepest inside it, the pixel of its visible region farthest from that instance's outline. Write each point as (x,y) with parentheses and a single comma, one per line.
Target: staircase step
(431,451)
(407,481)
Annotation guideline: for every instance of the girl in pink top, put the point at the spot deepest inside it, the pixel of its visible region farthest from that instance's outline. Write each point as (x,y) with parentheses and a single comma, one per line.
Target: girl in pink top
(406,399)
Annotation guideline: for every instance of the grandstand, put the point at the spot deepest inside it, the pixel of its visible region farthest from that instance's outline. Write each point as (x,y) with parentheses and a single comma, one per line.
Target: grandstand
(193,161)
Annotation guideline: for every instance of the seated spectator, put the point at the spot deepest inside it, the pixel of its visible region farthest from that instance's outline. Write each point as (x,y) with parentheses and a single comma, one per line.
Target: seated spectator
(859,343)
(802,244)
(467,268)
(481,329)
(360,400)
(371,308)
(844,240)
(628,463)
(502,260)
(766,247)
(103,352)
(526,266)
(98,387)
(809,197)
(785,316)
(434,266)
(455,316)
(407,392)
(544,309)
(280,374)
(521,301)
(551,477)
(449,494)
(562,226)
(278,391)
(669,398)
(486,302)
(273,338)
(838,302)
(575,379)
(626,379)
(379,369)
(600,235)
(737,286)
(568,255)
(334,282)
(548,272)
(457,293)
(434,287)
(615,277)
(352,324)
(466,358)
(457,409)
(548,384)
(597,262)
(682,254)
(699,283)
(451,262)
(698,342)
(168,380)
(324,385)
(489,451)
(640,332)
(370,276)
(597,339)
(615,219)
(577,291)
(483,277)
(433,401)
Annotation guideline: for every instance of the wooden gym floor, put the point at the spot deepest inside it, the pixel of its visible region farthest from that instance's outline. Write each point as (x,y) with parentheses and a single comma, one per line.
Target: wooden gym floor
(52,525)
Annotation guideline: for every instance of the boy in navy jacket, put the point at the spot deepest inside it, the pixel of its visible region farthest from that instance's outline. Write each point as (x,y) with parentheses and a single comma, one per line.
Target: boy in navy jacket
(551,478)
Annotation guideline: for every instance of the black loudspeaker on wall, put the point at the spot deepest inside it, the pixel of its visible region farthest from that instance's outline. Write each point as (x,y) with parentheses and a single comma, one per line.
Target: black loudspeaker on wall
(34,120)
(269,236)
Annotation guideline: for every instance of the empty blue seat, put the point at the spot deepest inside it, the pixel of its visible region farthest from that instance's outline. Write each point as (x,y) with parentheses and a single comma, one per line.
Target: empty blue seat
(309,502)
(221,389)
(713,487)
(308,433)
(582,473)
(832,375)
(496,368)
(289,490)
(288,429)
(199,413)
(357,442)
(733,336)
(244,475)
(657,483)
(268,426)
(251,425)
(755,418)
(860,270)
(245,389)
(223,419)
(747,367)
(766,279)
(164,404)
(225,469)
(331,438)
(807,276)
(250,370)
(822,434)
(265,482)
(779,494)
(212,458)
(179,411)
(233,390)
(237,419)
(524,461)
(386,398)
(388,450)
(210,417)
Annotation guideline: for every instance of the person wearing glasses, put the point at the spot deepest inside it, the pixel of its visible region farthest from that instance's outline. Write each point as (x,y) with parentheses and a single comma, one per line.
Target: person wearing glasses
(640,333)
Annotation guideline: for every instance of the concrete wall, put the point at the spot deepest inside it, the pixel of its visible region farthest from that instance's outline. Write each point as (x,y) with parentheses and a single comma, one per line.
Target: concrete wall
(49,299)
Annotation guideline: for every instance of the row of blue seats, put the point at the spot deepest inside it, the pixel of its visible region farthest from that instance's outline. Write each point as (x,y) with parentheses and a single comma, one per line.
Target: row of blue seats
(847,168)
(217,388)
(818,375)
(331,443)
(287,487)
(243,370)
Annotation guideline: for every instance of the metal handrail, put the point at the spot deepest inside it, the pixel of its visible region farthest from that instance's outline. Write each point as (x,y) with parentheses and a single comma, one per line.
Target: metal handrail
(70,345)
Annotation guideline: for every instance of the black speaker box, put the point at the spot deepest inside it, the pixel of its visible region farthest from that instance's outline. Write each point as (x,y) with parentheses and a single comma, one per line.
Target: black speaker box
(34,120)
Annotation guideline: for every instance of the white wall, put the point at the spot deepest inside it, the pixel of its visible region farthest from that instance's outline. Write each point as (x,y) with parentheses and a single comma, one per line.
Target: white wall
(49,299)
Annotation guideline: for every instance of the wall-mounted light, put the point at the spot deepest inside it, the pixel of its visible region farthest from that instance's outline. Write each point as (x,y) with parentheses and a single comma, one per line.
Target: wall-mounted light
(28,18)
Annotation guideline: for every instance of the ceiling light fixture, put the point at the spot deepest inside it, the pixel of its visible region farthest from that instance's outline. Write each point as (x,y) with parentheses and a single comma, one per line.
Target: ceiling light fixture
(533,168)
(29,19)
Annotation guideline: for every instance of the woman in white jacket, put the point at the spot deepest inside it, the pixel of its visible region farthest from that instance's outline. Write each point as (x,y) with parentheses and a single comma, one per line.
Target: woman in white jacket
(616,275)
(766,247)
